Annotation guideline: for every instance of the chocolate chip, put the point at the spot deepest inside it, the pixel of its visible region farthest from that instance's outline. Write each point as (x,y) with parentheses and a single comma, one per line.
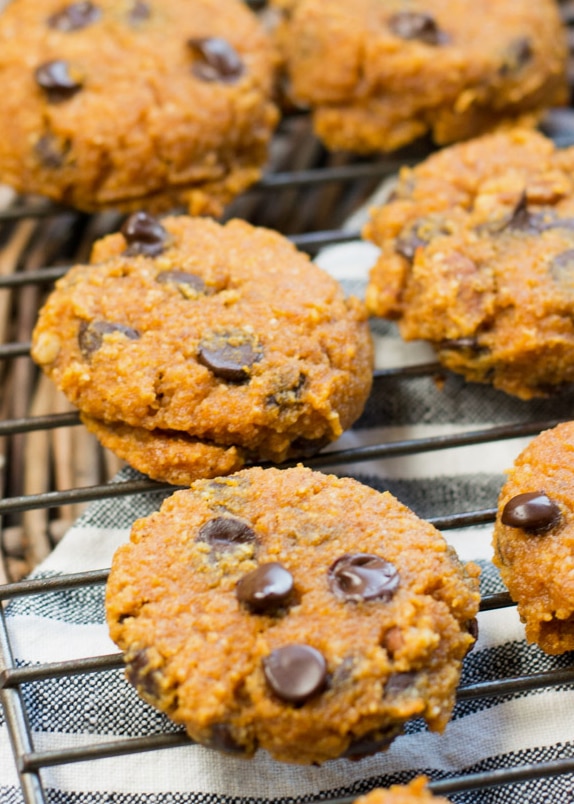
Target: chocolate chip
(362,576)
(418,235)
(562,269)
(189,285)
(139,12)
(265,589)
(91,335)
(521,220)
(533,511)
(74,17)
(223,740)
(295,673)
(417,25)
(398,683)
(372,743)
(288,395)
(51,151)
(144,235)
(461,344)
(230,354)
(472,628)
(307,447)
(225,533)
(215,60)
(57,81)
(139,674)
(517,56)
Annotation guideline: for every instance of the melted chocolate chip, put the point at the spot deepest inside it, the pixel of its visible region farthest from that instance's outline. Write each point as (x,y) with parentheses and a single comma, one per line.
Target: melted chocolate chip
(517,56)
(416,25)
(265,589)
(461,344)
(144,234)
(521,220)
(190,286)
(533,511)
(407,243)
(225,533)
(139,12)
(361,576)
(295,673)
(307,447)
(91,335)
(223,740)
(399,683)
(215,60)
(139,674)
(57,81)
(372,743)
(230,354)
(562,270)
(74,17)
(472,628)
(50,151)
(287,396)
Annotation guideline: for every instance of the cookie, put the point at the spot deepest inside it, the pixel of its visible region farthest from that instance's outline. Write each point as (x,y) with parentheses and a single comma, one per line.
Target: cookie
(378,75)
(533,538)
(477,257)
(292,611)
(191,347)
(415,792)
(132,104)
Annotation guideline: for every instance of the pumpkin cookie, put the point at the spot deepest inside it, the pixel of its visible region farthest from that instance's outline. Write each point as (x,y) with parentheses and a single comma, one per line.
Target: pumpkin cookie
(477,257)
(132,104)
(288,610)
(191,347)
(415,792)
(533,538)
(378,75)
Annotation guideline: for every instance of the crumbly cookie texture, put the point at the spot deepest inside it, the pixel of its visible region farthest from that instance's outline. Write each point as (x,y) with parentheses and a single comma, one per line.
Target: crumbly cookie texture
(415,792)
(533,538)
(192,347)
(477,257)
(132,104)
(378,75)
(292,611)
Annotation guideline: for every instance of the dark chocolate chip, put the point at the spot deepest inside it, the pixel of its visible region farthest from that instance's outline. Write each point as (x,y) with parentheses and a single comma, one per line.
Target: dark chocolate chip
(230,355)
(144,234)
(223,740)
(289,395)
(517,56)
(139,12)
(190,285)
(562,270)
(225,533)
(362,576)
(139,674)
(407,243)
(416,25)
(372,743)
(50,151)
(307,447)
(533,511)
(521,220)
(265,589)
(461,344)
(398,683)
(57,81)
(472,628)
(215,60)
(295,673)
(91,335)
(74,17)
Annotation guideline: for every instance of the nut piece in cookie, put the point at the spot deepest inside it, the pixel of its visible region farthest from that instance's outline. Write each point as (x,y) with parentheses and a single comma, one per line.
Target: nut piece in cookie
(192,348)
(533,538)
(477,257)
(378,75)
(124,104)
(292,611)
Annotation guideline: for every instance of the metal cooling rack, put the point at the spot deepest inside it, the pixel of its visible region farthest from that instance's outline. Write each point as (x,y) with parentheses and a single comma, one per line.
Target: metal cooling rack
(345,184)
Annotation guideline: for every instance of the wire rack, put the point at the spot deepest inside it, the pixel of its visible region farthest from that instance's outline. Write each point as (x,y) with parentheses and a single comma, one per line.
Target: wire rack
(314,192)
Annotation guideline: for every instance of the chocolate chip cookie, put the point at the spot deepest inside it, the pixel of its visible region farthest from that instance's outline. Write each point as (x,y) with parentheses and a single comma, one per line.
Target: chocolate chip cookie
(415,792)
(533,538)
(191,348)
(477,257)
(288,610)
(378,75)
(132,104)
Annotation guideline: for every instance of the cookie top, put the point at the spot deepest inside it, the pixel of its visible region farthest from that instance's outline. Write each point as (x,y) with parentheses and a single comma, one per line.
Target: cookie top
(533,538)
(293,611)
(134,104)
(223,334)
(477,255)
(378,75)
(412,793)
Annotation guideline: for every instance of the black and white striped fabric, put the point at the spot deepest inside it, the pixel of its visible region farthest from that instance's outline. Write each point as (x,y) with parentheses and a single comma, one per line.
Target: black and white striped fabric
(485,734)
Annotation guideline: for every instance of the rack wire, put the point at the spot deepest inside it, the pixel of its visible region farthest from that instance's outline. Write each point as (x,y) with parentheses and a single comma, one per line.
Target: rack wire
(341,185)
